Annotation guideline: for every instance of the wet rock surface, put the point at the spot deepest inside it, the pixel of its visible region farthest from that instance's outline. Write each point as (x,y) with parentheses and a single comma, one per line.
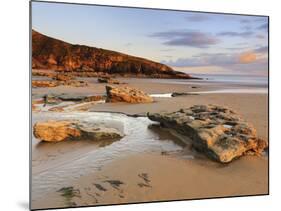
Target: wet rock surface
(56,131)
(217,131)
(126,94)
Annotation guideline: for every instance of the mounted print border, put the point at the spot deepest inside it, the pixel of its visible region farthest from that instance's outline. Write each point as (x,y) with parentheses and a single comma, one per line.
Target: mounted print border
(137,105)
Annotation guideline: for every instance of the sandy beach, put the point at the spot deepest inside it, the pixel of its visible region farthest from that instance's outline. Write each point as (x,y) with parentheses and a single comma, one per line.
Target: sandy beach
(165,170)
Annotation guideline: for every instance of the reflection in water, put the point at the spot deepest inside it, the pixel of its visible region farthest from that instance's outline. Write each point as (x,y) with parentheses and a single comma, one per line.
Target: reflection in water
(165,135)
(43,145)
(58,164)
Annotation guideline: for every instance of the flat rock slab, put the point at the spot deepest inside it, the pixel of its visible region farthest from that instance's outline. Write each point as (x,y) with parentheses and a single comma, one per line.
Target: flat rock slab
(55,131)
(54,83)
(36,84)
(126,94)
(217,131)
(75,97)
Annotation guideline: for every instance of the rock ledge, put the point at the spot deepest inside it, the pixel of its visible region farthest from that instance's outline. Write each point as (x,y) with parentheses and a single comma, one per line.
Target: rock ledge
(214,130)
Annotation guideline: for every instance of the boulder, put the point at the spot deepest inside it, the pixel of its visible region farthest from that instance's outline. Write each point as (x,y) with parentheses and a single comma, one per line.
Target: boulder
(217,131)
(55,131)
(126,94)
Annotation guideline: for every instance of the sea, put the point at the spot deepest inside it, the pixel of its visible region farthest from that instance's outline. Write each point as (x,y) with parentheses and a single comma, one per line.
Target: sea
(255,80)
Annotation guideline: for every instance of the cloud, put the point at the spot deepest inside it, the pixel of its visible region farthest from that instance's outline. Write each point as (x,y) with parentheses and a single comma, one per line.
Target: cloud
(218,59)
(245,20)
(197,18)
(235,34)
(260,36)
(167,50)
(242,63)
(236,48)
(247,27)
(263,26)
(263,49)
(242,43)
(194,39)
(248,57)
(203,60)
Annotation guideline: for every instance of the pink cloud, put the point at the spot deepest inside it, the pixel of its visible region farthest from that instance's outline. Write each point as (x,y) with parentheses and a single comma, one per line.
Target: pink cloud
(248,57)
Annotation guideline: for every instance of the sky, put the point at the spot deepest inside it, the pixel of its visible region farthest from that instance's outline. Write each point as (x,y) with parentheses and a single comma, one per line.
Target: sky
(192,42)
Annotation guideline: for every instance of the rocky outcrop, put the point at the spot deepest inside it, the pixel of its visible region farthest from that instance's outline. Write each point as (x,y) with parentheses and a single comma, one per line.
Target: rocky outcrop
(54,83)
(52,54)
(217,131)
(62,77)
(80,98)
(37,84)
(45,73)
(55,131)
(108,80)
(74,83)
(126,94)
(95,98)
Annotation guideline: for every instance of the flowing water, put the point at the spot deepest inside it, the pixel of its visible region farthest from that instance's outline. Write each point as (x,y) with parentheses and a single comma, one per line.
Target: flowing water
(57,164)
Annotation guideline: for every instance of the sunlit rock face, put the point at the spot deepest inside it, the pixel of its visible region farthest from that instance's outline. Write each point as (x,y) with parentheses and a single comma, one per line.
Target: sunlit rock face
(126,94)
(53,54)
(56,131)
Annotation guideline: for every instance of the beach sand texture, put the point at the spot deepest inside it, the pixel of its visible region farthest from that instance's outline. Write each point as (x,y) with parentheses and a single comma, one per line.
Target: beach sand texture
(171,172)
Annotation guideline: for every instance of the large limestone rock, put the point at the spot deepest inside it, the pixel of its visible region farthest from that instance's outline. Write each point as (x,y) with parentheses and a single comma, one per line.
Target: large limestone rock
(126,94)
(217,131)
(55,131)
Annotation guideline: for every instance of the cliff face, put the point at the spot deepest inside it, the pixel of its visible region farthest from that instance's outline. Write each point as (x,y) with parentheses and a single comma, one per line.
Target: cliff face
(53,54)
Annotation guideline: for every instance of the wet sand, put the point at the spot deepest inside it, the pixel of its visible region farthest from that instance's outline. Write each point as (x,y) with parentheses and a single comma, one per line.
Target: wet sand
(151,177)
(155,176)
